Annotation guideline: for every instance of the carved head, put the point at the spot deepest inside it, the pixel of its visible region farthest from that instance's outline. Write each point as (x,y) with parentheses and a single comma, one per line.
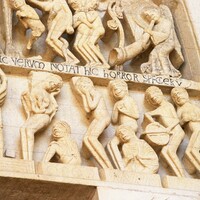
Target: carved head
(118,88)
(53,83)
(125,133)
(154,96)
(15,4)
(179,96)
(152,13)
(60,130)
(76,4)
(84,84)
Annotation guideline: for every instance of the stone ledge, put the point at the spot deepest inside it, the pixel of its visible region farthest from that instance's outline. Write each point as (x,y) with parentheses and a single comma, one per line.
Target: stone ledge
(70,171)
(173,182)
(128,177)
(14,165)
(9,63)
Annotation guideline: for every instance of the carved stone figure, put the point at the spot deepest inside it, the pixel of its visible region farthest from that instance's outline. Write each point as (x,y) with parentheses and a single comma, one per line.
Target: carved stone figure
(189,114)
(3,89)
(89,29)
(137,154)
(40,106)
(164,38)
(153,25)
(125,110)
(125,114)
(59,21)
(29,18)
(63,146)
(164,120)
(94,105)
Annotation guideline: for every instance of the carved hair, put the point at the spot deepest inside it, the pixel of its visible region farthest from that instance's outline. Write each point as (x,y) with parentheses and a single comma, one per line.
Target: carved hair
(116,82)
(122,128)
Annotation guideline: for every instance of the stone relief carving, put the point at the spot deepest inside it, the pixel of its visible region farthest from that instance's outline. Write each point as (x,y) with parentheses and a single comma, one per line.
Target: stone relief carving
(63,146)
(40,106)
(137,155)
(162,125)
(29,19)
(3,91)
(94,105)
(89,30)
(59,21)
(189,114)
(153,25)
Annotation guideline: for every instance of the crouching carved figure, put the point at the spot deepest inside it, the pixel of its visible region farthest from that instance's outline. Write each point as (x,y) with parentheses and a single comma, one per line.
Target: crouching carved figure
(40,106)
(63,146)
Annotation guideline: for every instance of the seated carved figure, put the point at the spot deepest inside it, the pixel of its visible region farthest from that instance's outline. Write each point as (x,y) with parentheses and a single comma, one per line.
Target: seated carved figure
(63,146)
(94,105)
(29,18)
(137,154)
(165,115)
(189,114)
(40,106)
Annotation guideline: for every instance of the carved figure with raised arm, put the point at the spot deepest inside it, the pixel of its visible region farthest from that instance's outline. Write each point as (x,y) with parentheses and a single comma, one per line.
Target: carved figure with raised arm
(189,115)
(29,18)
(63,146)
(94,105)
(163,120)
(40,106)
(164,39)
(59,22)
(3,91)
(89,30)
(153,25)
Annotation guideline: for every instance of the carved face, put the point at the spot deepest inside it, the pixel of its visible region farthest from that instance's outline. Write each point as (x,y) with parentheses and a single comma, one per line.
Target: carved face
(119,89)
(60,130)
(74,4)
(125,135)
(179,96)
(152,14)
(53,85)
(154,96)
(15,4)
(84,84)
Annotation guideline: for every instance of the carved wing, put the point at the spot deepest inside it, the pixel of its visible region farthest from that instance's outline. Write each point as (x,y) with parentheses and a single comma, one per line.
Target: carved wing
(177,56)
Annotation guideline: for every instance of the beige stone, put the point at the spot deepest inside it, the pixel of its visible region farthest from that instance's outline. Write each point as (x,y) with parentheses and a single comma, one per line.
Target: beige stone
(16,165)
(29,18)
(189,115)
(63,146)
(59,22)
(3,91)
(164,114)
(89,30)
(93,104)
(128,177)
(181,183)
(70,171)
(40,106)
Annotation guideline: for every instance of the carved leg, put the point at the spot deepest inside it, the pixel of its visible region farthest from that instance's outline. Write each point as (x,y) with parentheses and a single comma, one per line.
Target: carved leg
(24,143)
(94,146)
(36,33)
